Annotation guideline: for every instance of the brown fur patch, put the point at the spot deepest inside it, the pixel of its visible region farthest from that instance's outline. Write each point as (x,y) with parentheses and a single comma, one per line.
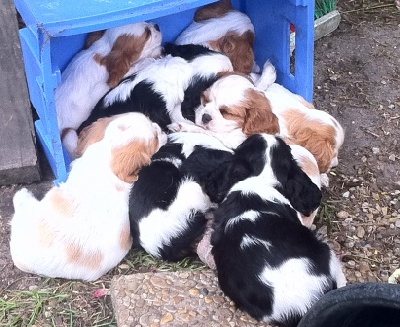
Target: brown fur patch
(213,10)
(76,255)
(61,202)
(46,234)
(129,159)
(238,48)
(259,116)
(308,166)
(92,134)
(125,238)
(124,53)
(93,37)
(316,137)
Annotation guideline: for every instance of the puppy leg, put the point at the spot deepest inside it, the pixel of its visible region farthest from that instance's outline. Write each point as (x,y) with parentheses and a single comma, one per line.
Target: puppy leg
(204,247)
(267,78)
(324,180)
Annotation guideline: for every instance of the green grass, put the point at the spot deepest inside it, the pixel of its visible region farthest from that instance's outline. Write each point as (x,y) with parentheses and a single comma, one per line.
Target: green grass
(323,7)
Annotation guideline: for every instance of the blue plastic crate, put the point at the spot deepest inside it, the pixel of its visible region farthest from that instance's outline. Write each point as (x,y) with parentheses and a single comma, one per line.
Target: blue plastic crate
(56,30)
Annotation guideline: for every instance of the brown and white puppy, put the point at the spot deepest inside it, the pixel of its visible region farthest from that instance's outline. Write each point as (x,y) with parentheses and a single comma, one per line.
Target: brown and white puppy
(231,110)
(221,28)
(80,229)
(108,57)
(281,112)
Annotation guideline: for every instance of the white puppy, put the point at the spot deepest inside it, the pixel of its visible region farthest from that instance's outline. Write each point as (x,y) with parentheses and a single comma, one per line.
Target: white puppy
(80,229)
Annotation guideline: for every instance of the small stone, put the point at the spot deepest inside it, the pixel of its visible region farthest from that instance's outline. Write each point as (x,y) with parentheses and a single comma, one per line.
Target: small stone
(360,232)
(375,150)
(364,266)
(323,230)
(167,318)
(351,264)
(194,291)
(342,214)
(392,157)
(346,194)
(397,223)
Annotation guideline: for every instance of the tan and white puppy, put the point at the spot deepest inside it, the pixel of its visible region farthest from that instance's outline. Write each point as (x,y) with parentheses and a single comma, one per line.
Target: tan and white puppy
(231,110)
(221,28)
(108,57)
(80,229)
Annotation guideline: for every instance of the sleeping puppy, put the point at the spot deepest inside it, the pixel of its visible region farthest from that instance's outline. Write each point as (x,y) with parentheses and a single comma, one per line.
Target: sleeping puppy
(109,55)
(231,109)
(268,263)
(224,108)
(221,28)
(167,206)
(166,90)
(80,229)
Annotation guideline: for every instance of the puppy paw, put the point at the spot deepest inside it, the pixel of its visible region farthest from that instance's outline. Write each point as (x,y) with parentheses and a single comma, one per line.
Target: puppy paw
(175,127)
(268,76)
(324,180)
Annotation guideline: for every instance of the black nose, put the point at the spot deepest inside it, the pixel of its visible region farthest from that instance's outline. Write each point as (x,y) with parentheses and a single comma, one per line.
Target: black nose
(206,118)
(157,27)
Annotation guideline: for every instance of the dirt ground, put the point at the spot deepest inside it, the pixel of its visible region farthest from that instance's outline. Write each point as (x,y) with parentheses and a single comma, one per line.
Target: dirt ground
(357,80)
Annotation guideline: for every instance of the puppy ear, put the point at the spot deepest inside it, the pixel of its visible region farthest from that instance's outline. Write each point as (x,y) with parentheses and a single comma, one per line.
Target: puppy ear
(259,116)
(124,53)
(129,159)
(319,142)
(224,177)
(93,37)
(303,194)
(214,10)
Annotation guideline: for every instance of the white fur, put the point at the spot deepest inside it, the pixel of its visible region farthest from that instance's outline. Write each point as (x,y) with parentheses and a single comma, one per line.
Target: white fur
(214,28)
(74,231)
(84,81)
(171,222)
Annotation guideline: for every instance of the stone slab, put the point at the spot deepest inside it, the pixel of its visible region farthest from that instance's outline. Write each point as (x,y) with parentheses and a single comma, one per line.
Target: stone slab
(174,299)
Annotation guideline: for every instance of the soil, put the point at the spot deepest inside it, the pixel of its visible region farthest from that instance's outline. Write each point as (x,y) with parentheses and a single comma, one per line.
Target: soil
(357,80)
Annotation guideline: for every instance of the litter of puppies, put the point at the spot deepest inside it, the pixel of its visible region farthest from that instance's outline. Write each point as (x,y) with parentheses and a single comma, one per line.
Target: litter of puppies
(184,148)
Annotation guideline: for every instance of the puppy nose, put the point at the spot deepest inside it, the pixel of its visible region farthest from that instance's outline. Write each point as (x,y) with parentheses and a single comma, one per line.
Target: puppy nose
(206,118)
(157,27)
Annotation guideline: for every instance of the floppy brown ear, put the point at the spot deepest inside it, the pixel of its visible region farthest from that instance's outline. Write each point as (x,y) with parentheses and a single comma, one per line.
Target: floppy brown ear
(239,49)
(320,142)
(214,10)
(129,159)
(124,53)
(93,37)
(259,116)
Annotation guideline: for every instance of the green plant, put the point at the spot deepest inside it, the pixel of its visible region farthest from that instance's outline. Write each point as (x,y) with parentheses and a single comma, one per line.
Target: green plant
(323,7)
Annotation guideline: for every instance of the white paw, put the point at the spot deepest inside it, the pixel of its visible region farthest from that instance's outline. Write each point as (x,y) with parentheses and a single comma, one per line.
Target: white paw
(175,127)
(268,76)
(324,180)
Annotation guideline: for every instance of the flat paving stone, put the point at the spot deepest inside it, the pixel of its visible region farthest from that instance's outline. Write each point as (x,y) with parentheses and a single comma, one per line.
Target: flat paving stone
(182,298)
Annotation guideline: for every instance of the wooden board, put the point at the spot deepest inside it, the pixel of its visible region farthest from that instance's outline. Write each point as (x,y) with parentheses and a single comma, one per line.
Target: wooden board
(18,158)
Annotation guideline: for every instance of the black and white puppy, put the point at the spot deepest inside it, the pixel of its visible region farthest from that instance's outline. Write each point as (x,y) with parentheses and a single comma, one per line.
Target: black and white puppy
(167,205)
(167,90)
(268,263)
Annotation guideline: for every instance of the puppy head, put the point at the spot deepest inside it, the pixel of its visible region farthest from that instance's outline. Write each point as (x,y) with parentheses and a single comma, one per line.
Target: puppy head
(303,195)
(238,48)
(232,102)
(309,166)
(322,136)
(132,139)
(130,43)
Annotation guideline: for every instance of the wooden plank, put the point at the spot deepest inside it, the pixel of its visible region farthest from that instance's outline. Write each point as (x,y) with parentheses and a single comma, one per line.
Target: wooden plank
(18,158)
